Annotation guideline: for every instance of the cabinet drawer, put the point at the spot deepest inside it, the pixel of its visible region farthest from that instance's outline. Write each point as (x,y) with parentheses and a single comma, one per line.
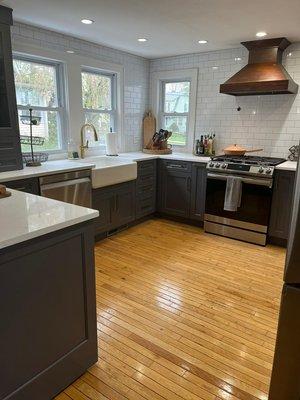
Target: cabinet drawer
(146,180)
(145,207)
(175,165)
(146,167)
(145,192)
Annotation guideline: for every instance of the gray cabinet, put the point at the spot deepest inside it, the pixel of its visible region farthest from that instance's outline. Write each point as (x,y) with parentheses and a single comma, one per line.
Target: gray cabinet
(174,190)
(48,335)
(198,192)
(146,188)
(30,185)
(116,205)
(10,148)
(281,209)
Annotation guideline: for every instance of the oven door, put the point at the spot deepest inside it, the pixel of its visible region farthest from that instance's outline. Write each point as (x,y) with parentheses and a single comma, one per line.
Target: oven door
(254,212)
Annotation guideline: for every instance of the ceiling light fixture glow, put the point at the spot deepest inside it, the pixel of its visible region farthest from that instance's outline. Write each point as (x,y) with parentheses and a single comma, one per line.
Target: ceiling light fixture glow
(87,21)
(70,51)
(202,41)
(261,34)
(142,40)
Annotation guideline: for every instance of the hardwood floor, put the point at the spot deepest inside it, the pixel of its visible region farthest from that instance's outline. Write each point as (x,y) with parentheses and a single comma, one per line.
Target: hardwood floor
(182,315)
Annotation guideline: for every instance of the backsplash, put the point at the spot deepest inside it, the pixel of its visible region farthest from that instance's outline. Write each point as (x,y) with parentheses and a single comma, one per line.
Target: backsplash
(268,122)
(136,72)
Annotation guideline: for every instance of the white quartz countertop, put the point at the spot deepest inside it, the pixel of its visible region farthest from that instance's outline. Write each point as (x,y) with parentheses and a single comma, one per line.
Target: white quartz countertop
(60,166)
(140,156)
(47,168)
(287,166)
(26,216)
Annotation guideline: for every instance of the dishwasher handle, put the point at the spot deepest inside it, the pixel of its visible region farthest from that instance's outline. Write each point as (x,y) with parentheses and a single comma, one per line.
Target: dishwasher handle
(64,184)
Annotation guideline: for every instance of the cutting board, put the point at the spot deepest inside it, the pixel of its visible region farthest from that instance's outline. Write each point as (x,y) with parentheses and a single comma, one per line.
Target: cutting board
(149,126)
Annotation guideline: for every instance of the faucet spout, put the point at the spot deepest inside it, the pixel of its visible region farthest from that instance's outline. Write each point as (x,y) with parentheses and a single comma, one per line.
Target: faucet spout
(85,146)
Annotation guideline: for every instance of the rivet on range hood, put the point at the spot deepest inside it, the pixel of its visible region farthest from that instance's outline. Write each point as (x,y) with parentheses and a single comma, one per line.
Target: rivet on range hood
(264,73)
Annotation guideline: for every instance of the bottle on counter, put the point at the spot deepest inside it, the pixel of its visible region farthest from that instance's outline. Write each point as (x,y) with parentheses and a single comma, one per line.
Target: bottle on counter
(201,146)
(213,145)
(205,144)
(209,145)
(197,147)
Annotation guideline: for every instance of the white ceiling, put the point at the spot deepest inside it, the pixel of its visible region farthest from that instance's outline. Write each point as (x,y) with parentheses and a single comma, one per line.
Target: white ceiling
(172,26)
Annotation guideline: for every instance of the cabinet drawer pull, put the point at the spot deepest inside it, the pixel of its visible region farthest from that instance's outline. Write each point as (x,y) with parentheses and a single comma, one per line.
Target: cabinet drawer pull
(188,183)
(178,166)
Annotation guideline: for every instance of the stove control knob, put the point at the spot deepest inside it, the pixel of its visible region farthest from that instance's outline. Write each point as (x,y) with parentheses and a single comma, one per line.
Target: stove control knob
(217,165)
(261,170)
(268,170)
(211,164)
(224,165)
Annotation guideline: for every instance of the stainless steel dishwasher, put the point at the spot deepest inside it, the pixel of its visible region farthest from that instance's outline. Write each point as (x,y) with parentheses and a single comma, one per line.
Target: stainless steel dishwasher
(70,187)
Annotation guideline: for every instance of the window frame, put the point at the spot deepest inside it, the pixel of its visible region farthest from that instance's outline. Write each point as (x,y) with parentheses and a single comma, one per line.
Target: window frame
(163,114)
(114,98)
(158,80)
(61,97)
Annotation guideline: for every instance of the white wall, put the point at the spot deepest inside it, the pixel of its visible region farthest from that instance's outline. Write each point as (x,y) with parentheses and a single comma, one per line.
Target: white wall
(136,73)
(270,122)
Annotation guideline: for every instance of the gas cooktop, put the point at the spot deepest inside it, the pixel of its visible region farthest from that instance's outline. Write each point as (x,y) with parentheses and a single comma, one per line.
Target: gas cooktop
(249,160)
(245,165)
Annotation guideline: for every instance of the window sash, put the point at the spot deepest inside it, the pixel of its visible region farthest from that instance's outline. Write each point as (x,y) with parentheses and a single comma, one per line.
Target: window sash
(60,94)
(163,94)
(113,90)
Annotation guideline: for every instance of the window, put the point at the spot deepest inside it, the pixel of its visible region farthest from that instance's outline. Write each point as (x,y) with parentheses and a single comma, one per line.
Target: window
(99,101)
(39,86)
(175,110)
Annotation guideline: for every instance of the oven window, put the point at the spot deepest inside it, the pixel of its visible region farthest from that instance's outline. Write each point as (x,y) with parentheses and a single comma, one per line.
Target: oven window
(255,203)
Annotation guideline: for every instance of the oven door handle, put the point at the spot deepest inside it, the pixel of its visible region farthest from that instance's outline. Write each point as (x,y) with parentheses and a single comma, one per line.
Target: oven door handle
(250,181)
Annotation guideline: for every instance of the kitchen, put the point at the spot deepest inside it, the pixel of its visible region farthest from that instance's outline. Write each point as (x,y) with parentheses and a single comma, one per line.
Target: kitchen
(156,272)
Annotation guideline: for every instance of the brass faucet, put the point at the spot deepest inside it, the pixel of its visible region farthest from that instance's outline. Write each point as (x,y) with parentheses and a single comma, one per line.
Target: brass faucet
(83,147)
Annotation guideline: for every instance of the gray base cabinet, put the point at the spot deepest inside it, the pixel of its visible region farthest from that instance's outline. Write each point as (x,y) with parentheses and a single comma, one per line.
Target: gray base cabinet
(282,200)
(48,335)
(174,190)
(116,205)
(198,192)
(30,185)
(146,188)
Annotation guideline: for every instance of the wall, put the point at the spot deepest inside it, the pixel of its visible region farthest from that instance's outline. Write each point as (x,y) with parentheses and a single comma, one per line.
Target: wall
(268,122)
(136,72)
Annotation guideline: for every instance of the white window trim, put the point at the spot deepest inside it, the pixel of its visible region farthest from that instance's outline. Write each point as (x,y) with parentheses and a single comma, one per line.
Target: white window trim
(61,98)
(157,80)
(73,64)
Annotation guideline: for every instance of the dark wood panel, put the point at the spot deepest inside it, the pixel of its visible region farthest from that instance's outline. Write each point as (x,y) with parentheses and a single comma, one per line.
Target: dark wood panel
(198,191)
(30,185)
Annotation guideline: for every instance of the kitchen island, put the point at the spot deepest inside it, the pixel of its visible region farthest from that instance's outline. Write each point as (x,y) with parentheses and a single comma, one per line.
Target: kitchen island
(48,332)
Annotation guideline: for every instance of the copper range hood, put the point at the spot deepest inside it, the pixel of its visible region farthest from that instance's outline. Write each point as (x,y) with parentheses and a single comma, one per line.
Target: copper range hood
(264,73)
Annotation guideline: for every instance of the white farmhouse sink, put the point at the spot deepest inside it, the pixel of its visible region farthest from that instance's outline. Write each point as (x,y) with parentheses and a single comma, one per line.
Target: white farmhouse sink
(111,170)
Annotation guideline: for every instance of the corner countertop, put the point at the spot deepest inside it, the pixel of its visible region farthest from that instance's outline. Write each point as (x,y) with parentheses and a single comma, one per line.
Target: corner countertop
(287,166)
(26,216)
(47,168)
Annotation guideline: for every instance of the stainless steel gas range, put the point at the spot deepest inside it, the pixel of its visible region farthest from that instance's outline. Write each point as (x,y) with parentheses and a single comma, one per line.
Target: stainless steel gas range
(249,222)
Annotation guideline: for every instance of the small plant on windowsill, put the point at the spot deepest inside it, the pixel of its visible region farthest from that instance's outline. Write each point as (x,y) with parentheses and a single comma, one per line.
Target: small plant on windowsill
(32,159)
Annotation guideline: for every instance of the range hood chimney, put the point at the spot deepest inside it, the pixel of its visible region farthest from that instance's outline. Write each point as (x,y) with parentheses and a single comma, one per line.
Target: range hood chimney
(264,73)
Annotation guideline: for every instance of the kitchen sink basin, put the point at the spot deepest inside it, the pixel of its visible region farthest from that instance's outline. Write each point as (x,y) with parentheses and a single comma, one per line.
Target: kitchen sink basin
(111,170)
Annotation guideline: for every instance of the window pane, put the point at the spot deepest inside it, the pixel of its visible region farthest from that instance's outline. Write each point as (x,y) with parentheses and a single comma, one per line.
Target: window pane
(176,97)
(178,127)
(96,91)
(35,84)
(102,123)
(48,128)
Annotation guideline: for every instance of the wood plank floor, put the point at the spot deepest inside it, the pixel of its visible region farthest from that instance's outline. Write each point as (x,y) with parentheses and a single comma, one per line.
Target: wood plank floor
(182,315)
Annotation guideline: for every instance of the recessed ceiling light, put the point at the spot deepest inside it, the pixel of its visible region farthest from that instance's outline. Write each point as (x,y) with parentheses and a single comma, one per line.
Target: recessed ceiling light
(142,40)
(202,41)
(261,34)
(70,51)
(237,59)
(215,67)
(87,21)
